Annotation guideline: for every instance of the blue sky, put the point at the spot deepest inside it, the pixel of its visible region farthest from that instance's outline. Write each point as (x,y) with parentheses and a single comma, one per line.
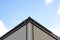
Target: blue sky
(46,12)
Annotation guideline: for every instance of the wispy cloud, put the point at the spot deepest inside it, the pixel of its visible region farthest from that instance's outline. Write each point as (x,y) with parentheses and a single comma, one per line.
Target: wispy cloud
(56,30)
(58,11)
(48,2)
(3,30)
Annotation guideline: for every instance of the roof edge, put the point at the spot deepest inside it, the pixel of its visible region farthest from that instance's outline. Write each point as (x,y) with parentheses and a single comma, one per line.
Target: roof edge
(29,19)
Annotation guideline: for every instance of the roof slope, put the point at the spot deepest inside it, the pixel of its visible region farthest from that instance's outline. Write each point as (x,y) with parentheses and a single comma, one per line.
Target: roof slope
(29,19)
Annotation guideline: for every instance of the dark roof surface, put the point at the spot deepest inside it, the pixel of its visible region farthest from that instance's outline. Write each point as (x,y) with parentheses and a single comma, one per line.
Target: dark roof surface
(29,19)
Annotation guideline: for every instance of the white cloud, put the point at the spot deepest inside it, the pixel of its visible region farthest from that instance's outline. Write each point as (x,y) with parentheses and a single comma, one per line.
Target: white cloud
(58,11)
(3,30)
(56,30)
(48,2)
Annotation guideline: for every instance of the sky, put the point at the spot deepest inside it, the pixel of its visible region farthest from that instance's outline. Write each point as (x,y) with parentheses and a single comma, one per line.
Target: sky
(45,12)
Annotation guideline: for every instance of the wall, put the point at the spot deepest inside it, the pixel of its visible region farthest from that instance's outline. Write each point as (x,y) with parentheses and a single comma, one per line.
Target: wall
(18,35)
(29,32)
(40,35)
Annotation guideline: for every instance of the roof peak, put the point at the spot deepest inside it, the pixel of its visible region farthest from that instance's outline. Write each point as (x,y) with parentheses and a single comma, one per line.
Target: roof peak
(29,18)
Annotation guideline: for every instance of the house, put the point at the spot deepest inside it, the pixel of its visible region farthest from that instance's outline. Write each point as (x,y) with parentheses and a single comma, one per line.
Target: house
(29,29)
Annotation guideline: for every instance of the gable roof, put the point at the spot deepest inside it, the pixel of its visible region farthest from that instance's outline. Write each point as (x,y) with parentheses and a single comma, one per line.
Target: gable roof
(29,19)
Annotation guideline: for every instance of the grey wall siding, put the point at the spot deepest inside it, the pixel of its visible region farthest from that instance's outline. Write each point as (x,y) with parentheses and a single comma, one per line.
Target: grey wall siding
(18,35)
(40,35)
(29,31)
